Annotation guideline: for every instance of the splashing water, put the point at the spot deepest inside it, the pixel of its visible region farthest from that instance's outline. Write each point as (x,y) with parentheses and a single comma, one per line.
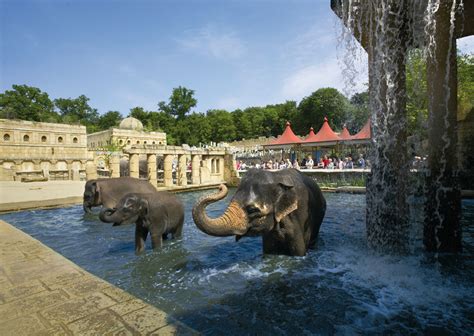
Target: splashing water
(389,30)
(218,286)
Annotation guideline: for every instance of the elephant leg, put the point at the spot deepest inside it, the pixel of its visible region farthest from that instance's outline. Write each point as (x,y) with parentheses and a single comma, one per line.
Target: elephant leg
(156,238)
(178,233)
(140,237)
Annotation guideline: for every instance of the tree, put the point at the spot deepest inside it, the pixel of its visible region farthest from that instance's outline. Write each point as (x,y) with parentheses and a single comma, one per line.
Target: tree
(180,103)
(110,119)
(360,112)
(193,130)
(77,110)
(222,125)
(325,102)
(27,103)
(465,85)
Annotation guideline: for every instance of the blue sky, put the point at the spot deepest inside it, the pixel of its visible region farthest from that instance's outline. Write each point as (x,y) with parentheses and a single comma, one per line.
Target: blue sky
(125,53)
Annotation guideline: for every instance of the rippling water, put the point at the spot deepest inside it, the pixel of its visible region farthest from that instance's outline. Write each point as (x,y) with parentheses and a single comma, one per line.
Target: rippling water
(218,286)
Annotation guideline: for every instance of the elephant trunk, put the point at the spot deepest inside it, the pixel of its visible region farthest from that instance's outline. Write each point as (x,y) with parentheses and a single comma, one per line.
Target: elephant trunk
(233,222)
(87,207)
(107,215)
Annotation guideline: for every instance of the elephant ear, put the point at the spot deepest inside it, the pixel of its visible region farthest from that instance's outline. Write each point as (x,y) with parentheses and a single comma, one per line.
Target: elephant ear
(143,209)
(95,191)
(287,201)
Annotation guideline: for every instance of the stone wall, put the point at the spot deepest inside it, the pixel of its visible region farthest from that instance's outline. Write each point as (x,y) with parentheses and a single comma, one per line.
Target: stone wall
(51,150)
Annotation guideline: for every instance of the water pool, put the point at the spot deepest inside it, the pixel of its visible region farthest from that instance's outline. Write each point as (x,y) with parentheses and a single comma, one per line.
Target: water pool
(218,286)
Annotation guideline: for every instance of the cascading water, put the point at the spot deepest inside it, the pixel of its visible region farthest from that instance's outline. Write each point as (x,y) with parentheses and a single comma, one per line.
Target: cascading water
(389,30)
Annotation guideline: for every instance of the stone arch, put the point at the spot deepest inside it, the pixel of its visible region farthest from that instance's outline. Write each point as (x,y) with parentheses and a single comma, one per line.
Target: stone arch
(27,166)
(61,165)
(6,137)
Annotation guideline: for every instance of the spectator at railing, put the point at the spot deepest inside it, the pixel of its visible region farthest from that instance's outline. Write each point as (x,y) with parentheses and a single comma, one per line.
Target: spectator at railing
(309,162)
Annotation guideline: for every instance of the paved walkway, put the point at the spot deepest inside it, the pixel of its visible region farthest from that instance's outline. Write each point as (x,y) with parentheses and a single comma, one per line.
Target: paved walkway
(43,293)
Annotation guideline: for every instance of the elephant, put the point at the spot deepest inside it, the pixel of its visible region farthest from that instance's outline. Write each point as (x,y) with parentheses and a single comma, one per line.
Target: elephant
(160,213)
(107,192)
(285,207)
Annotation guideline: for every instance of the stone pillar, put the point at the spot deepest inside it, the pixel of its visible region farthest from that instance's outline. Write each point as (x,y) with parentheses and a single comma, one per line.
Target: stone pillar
(442,230)
(69,169)
(168,170)
(220,166)
(151,166)
(182,167)
(134,165)
(115,165)
(36,164)
(91,171)
(387,208)
(17,169)
(195,165)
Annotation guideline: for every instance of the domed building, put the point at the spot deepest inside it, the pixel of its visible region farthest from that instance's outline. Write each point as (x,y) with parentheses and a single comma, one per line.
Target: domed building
(129,133)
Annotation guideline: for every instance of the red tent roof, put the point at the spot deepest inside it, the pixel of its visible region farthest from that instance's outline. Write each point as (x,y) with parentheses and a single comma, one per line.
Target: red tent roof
(364,134)
(325,134)
(287,138)
(345,135)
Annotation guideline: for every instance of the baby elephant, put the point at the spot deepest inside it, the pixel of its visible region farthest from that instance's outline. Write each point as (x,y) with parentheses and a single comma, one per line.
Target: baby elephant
(160,213)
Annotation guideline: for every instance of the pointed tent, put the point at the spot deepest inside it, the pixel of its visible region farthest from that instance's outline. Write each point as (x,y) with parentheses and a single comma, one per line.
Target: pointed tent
(345,135)
(324,137)
(286,140)
(364,135)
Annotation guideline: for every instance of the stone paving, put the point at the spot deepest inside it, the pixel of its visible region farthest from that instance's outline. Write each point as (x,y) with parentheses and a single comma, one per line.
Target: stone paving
(43,293)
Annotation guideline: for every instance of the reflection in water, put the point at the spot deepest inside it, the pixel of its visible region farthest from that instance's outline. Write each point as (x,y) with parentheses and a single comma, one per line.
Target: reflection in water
(218,286)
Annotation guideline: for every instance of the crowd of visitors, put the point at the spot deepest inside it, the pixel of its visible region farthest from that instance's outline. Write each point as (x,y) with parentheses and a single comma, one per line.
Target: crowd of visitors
(324,162)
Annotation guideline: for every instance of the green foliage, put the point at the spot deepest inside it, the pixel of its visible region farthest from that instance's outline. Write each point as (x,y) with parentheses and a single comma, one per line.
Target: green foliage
(325,102)
(465,85)
(78,111)
(110,119)
(359,112)
(222,125)
(180,103)
(27,103)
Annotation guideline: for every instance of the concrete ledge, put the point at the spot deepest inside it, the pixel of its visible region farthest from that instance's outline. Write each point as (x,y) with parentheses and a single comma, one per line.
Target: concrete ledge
(43,293)
(40,204)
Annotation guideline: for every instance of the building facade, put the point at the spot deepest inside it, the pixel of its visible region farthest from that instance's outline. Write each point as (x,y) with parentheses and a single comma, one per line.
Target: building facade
(129,133)
(31,149)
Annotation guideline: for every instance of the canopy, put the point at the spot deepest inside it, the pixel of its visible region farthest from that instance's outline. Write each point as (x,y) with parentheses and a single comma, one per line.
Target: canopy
(287,139)
(325,136)
(363,136)
(345,135)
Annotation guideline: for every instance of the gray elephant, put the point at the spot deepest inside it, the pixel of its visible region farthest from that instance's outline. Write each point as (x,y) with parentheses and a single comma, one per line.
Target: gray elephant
(108,192)
(159,213)
(285,207)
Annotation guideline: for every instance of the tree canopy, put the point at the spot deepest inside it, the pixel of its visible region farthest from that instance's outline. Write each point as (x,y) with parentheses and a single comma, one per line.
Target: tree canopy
(182,125)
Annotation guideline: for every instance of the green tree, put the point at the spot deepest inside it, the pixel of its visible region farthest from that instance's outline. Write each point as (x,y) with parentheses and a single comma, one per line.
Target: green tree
(78,110)
(465,85)
(325,102)
(27,103)
(109,119)
(180,103)
(193,130)
(360,112)
(222,125)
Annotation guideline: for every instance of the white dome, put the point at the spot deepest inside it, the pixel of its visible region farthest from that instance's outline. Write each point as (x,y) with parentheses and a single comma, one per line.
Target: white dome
(131,123)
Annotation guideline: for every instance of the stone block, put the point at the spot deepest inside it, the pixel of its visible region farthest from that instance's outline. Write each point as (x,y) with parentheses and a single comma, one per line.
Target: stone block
(24,325)
(75,309)
(146,320)
(102,323)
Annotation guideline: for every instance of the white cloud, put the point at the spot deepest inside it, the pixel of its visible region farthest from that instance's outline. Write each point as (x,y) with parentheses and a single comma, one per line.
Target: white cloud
(325,74)
(214,42)
(466,45)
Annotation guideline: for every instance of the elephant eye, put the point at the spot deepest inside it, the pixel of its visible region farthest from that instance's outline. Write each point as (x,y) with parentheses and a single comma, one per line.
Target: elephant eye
(251,209)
